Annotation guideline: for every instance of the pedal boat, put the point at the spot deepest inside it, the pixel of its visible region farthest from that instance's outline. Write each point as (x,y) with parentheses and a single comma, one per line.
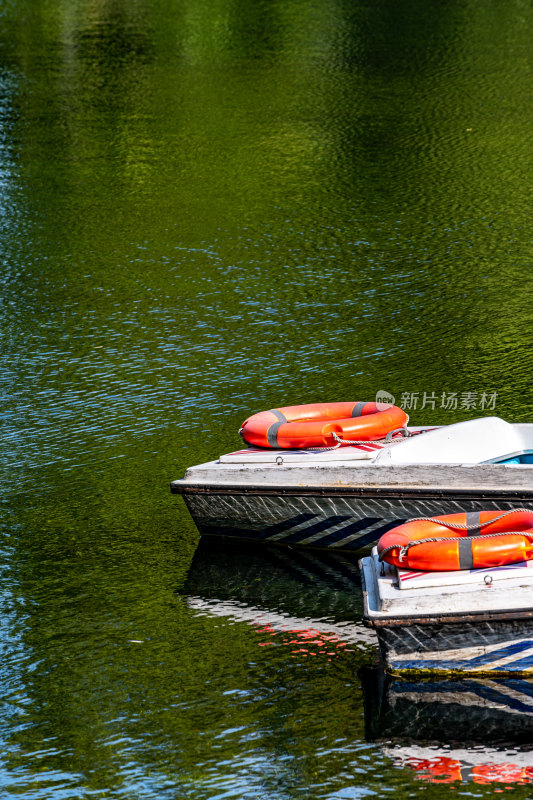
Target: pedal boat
(345,498)
(463,622)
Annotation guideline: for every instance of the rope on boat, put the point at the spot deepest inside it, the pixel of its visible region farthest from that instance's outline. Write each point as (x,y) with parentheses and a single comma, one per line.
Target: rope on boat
(387,439)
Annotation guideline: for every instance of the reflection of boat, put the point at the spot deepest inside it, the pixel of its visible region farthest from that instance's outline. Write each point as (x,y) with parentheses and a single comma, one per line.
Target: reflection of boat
(318,635)
(299,582)
(448,730)
(475,621)
(346,498)
(313,599)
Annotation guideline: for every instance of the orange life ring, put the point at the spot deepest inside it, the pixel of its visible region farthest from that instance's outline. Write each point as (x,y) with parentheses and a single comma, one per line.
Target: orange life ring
(312,425)
(463,541)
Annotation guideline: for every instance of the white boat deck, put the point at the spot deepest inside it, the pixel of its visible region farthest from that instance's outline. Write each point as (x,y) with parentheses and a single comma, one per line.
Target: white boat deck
(445,593)
(462,456)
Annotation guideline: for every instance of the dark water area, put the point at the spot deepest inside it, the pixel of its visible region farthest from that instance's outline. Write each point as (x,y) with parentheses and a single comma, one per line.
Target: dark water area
(208,209)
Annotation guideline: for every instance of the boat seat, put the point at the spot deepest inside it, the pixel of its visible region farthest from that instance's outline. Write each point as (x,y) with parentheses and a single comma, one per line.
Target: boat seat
(472,442)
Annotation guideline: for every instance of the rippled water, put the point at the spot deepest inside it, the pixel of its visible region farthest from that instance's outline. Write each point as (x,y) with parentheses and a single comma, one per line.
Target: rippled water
(208,209)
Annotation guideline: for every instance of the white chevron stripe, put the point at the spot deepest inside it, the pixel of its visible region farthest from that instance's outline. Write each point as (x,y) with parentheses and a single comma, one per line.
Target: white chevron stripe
(504,662)
(504,689)
(301,526)
(467,654)
(353,536)
(315,537)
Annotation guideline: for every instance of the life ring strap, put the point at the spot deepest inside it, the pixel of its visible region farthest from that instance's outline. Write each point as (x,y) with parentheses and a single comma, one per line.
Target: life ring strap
(272,431)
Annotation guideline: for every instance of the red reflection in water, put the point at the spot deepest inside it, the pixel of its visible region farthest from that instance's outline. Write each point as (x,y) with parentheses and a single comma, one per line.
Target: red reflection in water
(329,644)
(446,770)
(436,770)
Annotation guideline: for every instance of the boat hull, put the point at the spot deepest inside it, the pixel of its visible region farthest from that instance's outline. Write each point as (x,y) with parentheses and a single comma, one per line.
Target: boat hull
(483,625)
(478,647)
(338,518)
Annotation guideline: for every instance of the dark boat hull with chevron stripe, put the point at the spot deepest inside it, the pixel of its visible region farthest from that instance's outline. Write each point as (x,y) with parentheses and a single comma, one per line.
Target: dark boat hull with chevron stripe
(348,520)
(346,498)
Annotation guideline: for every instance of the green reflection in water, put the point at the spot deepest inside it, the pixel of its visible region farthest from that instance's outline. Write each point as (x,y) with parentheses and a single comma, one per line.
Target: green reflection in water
(209,209)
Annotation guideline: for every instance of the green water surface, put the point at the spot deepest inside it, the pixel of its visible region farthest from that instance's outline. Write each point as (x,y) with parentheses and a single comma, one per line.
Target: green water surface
(208,208)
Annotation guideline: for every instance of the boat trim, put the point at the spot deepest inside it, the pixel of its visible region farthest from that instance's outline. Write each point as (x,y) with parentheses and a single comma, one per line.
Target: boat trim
(186,487)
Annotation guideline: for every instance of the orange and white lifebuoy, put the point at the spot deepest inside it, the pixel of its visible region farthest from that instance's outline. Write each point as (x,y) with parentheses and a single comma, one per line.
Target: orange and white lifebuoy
(460,541)
(313,425)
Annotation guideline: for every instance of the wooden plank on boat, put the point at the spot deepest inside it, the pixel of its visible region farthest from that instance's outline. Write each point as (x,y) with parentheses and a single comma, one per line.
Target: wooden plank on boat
(358,475)
(409,579)
(250,456)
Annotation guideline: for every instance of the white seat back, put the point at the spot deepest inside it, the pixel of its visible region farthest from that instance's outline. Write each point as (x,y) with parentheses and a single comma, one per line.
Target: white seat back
(470,442)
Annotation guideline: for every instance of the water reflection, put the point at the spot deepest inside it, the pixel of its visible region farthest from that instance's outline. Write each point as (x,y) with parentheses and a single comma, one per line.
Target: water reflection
(298,616)
(471,730)
(315,597)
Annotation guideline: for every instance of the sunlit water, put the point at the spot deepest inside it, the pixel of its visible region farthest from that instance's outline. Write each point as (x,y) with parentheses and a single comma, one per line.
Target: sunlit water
(208,209)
